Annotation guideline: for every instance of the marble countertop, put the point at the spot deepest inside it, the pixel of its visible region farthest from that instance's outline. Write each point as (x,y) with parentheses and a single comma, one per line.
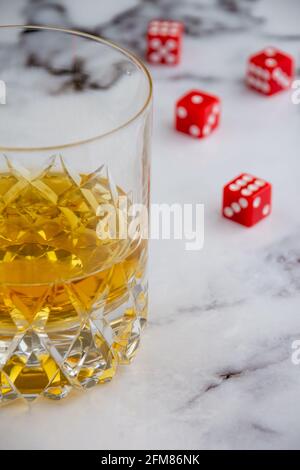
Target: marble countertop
(214,369)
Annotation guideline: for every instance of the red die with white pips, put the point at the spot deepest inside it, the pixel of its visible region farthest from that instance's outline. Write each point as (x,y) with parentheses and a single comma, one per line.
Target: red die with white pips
(164,40)
(270,71)
(247,199)
(197,114)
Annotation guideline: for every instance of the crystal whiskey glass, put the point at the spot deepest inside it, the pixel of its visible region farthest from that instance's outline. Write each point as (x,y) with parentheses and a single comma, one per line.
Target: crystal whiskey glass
(74,167)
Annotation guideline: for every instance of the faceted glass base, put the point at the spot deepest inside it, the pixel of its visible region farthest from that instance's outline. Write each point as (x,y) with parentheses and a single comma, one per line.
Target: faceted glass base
(45,362)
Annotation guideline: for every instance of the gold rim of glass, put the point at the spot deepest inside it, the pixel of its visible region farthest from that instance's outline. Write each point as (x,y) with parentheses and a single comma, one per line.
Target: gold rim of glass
(108,43)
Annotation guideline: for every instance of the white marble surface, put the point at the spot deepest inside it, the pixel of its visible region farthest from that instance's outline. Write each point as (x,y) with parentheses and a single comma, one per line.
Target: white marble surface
(214,369)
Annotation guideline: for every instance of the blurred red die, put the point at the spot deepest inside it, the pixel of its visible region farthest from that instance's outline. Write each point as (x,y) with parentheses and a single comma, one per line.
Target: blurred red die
(197,113)
(270,71)
(247,199)
(164,39)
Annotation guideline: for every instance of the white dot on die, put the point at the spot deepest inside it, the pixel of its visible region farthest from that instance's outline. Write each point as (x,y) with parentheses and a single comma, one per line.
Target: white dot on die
(196,99)
(269,51)
(194,130)
(265,87)
(233,187)
(247,177)
(243,202)
(153,30)
(253,187)
(259,84)
(266,74)
(257,70)
(154,57)
(256,202)
(216,108)
(235,207)
(259,183)
(270,62)
(181,112)
(251,67)
(206,130)
(246,192)
(266,209)
(170,44)
(163,51)
(228,212)
(241,182)
(170,58)
(211,119)
(155,43)
(250,80)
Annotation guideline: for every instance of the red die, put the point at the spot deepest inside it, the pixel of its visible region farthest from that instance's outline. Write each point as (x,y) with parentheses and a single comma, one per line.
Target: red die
(197,114)
(270,71)
(247,199)
(164,42)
